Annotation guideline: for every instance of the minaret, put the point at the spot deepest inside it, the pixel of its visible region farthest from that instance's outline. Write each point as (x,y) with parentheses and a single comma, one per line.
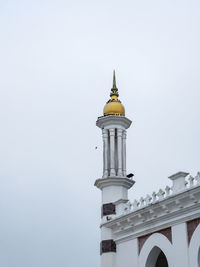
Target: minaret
(114,184)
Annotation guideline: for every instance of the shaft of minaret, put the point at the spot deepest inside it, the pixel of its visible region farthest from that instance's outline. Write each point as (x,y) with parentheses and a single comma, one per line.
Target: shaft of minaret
(114,184)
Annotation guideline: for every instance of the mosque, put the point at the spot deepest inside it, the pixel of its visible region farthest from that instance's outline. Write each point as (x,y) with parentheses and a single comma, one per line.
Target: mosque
(159,230)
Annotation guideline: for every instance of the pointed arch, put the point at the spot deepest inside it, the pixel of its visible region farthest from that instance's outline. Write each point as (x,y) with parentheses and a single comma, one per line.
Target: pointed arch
(194,248)
(152,248)
(156,258)
(161,260)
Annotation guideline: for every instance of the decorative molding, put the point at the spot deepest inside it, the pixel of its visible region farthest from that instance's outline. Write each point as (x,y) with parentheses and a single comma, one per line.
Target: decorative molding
(191,227)
(142,239)
(108,209)
(114,120)
(107,246)
(116,181)
(179,185)
(178,175)
(172,210)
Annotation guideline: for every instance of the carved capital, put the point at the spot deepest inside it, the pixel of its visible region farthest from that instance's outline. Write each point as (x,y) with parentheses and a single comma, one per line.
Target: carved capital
(105,133)
(119,132)
(112,132)
(124,134)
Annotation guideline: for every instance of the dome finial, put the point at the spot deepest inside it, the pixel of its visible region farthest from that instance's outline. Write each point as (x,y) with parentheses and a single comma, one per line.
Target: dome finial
(114,90)
(114,105)
(114,80)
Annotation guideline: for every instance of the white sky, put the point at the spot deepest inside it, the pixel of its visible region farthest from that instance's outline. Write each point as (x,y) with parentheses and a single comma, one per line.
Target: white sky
(56,63)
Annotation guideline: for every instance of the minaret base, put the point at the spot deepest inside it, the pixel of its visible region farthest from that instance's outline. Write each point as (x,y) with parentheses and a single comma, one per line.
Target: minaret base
(114,188)
(114,193)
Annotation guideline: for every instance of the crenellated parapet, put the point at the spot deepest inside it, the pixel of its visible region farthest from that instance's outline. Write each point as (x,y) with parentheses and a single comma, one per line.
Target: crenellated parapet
(158,210)
(165,193)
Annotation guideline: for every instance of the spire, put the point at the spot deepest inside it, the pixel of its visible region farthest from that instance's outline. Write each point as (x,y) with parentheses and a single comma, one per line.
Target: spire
(113,105)
(114,80)
(114,90)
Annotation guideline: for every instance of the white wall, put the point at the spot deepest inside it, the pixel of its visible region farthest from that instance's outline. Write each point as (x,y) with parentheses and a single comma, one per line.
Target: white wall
(178,253)
(108,259)
(127,254)
(180,245)
(114,193)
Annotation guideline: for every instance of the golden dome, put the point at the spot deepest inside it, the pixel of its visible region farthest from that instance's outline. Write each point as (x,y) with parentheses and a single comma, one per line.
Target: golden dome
(114,105)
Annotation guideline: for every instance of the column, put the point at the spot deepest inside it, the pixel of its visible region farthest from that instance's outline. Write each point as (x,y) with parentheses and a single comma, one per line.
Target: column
(112,152)
(105,153)
(124,153)
(108,248)
(180,245)
(119,152)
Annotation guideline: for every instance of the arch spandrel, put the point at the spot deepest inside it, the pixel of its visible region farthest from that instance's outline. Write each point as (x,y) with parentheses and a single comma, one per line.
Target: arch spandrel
(155,244)
(194,248)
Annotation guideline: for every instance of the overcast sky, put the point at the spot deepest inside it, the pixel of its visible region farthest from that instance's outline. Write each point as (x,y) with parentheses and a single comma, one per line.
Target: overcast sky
(56,63)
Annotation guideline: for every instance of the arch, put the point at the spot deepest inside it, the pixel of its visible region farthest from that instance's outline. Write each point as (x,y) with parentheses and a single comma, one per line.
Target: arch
(157,244)
(194,248)
(156,258)
(161,260)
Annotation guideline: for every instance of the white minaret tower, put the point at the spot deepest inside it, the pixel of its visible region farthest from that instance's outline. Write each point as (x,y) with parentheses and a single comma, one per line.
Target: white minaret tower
(114,184)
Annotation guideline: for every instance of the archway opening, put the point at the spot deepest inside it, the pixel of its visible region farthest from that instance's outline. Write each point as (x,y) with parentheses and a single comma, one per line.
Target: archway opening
(162,260)
(157,258)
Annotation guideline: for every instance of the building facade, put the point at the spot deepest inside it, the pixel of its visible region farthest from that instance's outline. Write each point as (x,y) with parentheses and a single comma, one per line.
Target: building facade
(159,230)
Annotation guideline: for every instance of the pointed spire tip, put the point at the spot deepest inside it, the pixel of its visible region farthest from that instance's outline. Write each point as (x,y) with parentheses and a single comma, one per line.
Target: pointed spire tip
(114,80)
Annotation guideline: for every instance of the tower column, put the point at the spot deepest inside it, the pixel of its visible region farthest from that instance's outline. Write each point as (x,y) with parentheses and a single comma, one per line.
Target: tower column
(119,152)
(112,152)
(105,153)
(114,184)
(124,152)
